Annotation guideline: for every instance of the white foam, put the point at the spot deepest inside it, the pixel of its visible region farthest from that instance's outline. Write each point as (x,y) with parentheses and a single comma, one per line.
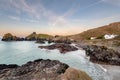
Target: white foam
(104,69)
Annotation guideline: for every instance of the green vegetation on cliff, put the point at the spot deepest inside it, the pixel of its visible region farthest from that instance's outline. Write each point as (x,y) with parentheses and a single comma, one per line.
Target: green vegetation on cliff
(35,36)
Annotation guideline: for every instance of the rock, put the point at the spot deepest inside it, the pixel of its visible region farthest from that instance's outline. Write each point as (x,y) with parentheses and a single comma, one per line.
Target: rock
(50,41)
(43,70)
(37,70)
(4,66)
(63,48)
(102,54)
(41,41)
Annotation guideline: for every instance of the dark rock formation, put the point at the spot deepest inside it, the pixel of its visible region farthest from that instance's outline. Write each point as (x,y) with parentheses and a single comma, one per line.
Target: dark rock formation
(40,70)
(50,41)
(10,37)
(41,41)
(37,70)
(4,66)
(63,48)
(102,54)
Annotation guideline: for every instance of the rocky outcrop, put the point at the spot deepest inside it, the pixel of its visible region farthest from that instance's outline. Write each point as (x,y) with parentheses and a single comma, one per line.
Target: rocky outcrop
(43,70)
(102,54)
(63,48)
(10,37)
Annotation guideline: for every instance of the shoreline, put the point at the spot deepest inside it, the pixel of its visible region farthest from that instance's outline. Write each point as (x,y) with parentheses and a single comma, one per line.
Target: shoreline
(112,71)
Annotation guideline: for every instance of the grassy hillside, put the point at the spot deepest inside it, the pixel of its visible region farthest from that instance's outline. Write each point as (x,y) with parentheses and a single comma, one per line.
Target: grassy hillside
(113,28)
(38,36)
(44,36)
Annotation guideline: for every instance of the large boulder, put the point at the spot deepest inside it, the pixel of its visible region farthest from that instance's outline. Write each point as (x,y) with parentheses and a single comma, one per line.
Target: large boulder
(42,70)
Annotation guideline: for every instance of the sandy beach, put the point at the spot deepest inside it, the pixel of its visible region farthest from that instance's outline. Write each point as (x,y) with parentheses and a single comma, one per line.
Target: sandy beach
(112,71)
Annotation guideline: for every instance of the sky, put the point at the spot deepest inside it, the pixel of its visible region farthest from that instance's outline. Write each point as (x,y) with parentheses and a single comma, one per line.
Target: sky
(56,17)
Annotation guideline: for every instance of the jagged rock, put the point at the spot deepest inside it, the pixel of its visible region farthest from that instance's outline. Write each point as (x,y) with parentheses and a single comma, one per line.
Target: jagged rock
(102,54)
(63,48)
(36,70)
(4,66)
(42,70)
(50,41)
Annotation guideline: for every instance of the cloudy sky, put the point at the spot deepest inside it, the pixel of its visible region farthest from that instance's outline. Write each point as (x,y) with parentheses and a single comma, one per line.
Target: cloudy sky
(63,17)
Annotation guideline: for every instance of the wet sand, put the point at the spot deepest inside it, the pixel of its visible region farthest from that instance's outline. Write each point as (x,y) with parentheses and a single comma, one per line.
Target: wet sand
(112,71)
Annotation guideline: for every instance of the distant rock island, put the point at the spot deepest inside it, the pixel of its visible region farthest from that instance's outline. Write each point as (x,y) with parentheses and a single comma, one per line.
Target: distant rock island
(31,37)
(10,37)
(41,70)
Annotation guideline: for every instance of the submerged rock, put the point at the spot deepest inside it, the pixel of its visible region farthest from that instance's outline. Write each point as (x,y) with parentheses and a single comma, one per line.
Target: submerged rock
(42,70)
(102,54)
(63,48)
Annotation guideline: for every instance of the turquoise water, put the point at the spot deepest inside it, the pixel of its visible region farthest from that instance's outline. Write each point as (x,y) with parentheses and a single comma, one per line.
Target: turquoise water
(24,51)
